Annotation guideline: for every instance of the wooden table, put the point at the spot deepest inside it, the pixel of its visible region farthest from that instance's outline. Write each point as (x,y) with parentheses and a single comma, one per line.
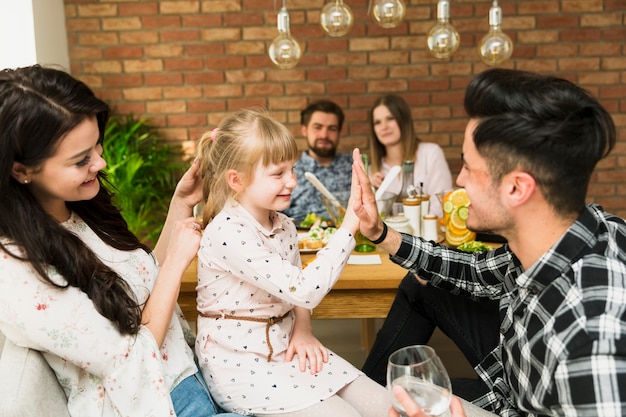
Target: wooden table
(363,292)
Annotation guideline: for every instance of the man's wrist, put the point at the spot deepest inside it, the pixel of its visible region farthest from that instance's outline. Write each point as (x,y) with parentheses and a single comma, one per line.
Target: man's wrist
(382,236)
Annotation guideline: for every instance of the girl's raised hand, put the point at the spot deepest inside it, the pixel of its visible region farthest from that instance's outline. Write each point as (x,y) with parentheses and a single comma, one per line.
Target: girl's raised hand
(364,199)
(351,220)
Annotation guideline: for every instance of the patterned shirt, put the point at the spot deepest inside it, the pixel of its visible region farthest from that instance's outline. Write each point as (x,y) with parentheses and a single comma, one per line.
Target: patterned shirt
(251,273)
(103,373)
(562,348)
(305,198)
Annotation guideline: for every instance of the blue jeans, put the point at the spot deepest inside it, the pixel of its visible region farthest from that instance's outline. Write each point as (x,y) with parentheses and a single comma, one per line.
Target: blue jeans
(417,310)
(191,398)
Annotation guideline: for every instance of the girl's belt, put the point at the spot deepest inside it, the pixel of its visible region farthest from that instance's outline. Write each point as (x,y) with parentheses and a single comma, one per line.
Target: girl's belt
(270,321)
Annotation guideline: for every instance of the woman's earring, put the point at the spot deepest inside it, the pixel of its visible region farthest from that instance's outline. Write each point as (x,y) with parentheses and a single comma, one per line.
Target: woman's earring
(26,181)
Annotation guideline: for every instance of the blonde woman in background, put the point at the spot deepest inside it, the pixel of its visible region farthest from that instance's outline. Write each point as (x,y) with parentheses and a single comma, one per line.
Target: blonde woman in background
(393,140)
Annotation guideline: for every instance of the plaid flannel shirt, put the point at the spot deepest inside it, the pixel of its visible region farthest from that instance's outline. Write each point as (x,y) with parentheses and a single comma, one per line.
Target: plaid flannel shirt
(305,198)
(562,348)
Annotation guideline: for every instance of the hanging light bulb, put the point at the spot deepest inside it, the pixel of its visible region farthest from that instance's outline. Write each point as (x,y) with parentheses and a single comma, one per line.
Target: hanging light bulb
(336,18)
(443,39)
(388,13)
(496,46)
(284,51)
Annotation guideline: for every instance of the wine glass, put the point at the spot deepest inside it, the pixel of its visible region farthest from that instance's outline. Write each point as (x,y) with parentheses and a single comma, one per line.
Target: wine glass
(420,372)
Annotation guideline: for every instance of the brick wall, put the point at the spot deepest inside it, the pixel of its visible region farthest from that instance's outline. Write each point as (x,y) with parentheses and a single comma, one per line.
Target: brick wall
(185,64)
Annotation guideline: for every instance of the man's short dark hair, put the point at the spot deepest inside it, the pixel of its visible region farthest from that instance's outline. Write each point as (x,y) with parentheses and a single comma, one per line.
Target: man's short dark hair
(547,126)
(325,106)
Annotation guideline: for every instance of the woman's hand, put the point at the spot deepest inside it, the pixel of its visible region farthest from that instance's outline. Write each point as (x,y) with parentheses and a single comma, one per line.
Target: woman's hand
(411,409)
(377,179)
(305,345)
(184,241)
(188,193)
(189,187)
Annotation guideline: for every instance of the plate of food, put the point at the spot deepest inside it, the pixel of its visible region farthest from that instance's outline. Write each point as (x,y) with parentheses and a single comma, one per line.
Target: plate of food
(312,220)
(474,246)
(314,239)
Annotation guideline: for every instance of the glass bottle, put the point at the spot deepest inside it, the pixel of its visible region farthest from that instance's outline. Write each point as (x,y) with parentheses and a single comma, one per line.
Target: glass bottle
(408,188)
(366,162)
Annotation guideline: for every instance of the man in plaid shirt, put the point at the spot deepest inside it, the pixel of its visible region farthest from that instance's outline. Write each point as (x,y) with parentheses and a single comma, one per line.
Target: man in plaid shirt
(530,147)
(321,123)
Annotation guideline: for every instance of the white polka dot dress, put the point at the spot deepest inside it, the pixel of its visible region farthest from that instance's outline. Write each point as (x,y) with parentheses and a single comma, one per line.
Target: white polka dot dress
(244,273)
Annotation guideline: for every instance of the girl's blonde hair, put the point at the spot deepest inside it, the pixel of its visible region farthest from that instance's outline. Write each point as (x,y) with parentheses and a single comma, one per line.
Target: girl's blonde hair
(243,139)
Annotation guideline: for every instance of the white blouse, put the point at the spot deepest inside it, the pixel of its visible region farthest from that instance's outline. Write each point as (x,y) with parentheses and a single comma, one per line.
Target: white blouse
(102,372)
(431,169)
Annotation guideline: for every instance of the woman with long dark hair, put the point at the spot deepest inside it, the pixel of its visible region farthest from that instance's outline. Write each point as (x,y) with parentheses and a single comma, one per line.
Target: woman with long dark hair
(75,283)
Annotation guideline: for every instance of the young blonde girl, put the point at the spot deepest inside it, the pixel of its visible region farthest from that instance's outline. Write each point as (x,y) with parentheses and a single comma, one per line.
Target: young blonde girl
(255,344)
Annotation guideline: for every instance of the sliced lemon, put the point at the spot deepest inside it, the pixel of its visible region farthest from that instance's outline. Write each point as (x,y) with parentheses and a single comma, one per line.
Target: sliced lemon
(456,240)
(455,231)
(459,197)
(456,220)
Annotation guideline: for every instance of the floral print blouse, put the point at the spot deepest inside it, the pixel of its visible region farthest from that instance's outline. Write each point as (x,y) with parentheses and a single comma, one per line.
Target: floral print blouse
(102,372)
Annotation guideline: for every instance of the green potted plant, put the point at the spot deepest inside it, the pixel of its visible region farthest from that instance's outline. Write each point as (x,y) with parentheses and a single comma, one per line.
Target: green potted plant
(142,172)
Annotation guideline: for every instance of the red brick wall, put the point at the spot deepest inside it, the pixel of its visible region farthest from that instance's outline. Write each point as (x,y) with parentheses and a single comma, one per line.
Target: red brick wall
(185,64)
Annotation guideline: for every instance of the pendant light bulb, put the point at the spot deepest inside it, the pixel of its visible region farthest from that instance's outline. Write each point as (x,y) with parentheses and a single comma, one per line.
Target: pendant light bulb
(284,51)
(336,18)
(443,39)
(388,13)
(496,46)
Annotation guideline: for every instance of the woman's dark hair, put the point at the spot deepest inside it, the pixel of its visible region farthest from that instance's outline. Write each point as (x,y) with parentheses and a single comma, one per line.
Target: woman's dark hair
(38,107)
(401,111)
(544,125)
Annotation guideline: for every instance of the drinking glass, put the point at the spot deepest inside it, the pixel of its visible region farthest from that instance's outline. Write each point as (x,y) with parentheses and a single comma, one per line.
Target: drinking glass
(420,372)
